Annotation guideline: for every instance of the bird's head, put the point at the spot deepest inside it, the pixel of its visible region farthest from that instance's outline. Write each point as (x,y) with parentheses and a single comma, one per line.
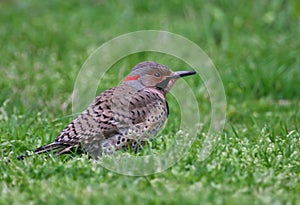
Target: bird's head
(154,75)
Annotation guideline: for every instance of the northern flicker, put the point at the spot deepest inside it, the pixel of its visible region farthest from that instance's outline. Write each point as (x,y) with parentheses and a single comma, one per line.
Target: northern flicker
(121,116)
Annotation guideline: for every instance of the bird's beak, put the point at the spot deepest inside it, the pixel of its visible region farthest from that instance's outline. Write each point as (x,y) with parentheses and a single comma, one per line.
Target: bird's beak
(179,74)
(172,78)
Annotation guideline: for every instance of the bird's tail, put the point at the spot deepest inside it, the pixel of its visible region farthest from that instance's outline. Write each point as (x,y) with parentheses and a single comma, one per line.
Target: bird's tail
(45,148)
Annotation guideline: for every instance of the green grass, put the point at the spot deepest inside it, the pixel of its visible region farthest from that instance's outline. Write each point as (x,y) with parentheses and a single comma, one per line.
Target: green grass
(255,47)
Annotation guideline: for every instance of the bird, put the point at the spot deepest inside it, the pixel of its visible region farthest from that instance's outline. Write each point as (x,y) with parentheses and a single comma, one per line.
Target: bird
(124,116)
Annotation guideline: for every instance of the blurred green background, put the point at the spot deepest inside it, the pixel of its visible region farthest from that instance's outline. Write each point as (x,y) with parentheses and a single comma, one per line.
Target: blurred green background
(255,47)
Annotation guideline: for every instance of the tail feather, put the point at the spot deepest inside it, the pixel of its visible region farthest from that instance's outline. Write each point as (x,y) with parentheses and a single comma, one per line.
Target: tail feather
(45,148)
(49,147)
(68,149)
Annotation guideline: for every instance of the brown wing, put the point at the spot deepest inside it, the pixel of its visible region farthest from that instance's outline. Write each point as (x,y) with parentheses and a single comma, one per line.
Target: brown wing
(96,122)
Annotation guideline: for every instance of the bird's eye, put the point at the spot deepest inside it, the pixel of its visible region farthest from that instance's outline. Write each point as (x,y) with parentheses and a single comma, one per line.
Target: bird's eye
(157,74)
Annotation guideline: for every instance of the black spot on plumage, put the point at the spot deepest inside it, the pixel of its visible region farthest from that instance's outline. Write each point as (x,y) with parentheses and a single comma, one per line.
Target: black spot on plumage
(98,102)
(167,106)
(137,99)
(122,103)
(105,116)
(105,122)
(100,108)
(84,117)
(148,95)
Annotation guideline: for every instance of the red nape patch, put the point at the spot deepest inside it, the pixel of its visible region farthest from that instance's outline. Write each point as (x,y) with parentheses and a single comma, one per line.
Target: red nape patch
(132,77)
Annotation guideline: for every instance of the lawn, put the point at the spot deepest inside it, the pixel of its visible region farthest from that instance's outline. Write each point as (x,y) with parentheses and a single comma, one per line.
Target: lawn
(254,46)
